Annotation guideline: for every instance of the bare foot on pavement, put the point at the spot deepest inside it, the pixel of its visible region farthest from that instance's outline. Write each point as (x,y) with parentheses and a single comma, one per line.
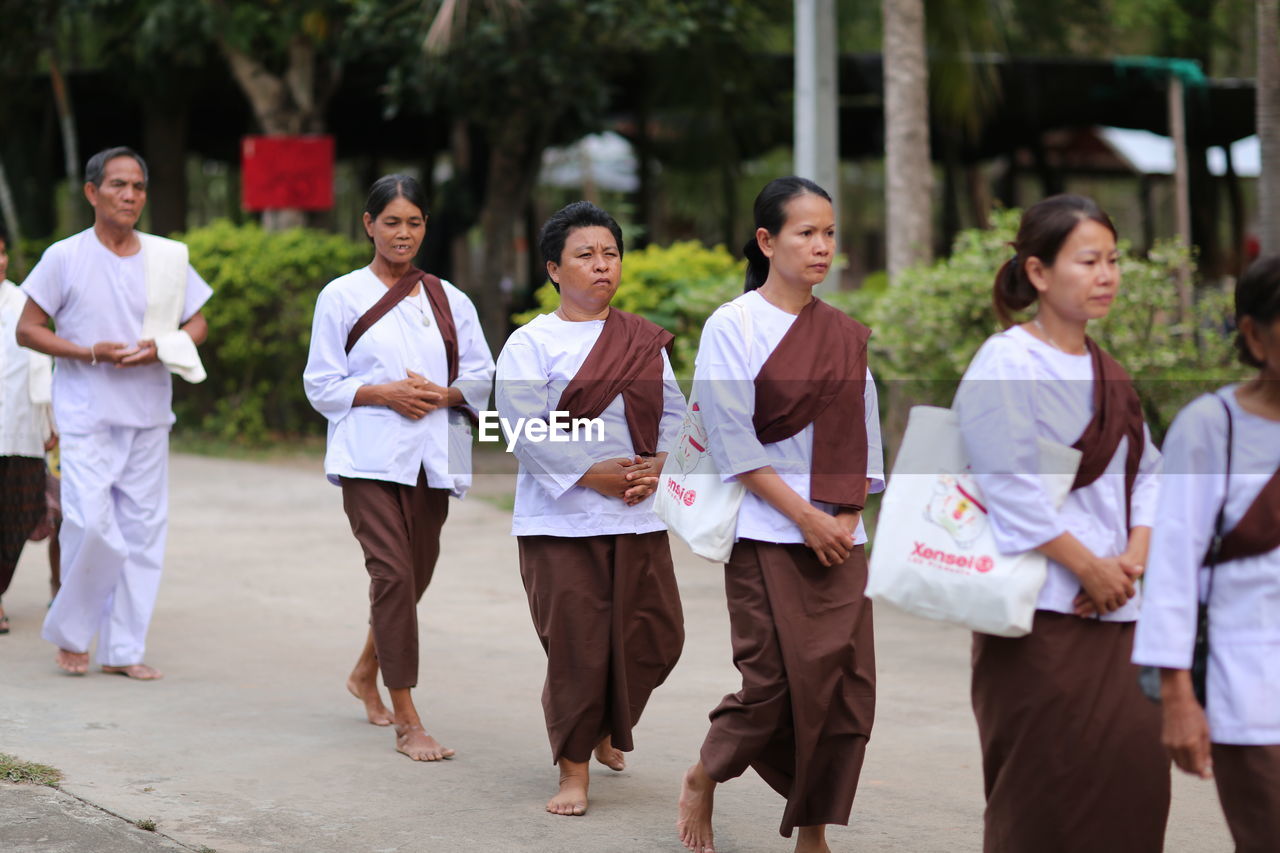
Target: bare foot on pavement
(139,671)
(697,793)
(414,742)
(75,663)
(610,757)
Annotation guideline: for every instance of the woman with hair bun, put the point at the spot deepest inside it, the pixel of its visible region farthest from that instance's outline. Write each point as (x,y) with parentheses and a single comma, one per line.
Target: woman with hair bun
(790,411)
(1070,755)
(398,363)
(1222,467)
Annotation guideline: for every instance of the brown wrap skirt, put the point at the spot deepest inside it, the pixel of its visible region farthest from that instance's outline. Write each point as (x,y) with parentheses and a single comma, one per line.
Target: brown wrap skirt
(1071,752)
(1248,780)
(608,614)
(22,507)
(398,527)
(803,642)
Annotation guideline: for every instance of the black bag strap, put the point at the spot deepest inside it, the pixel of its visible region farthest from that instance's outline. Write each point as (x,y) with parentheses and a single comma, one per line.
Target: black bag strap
(1215,546)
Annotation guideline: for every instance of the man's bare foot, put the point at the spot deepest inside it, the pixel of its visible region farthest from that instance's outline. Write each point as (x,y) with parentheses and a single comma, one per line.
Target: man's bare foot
(414,742)
(571,799)
(610,757)
(697,794)
(75,663)
(140,671)
(812,839)
(367,692)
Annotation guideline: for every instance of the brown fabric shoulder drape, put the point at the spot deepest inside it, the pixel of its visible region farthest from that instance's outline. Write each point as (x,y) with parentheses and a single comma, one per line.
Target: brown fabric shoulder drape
(1117,413)
(626,360)
(817,375)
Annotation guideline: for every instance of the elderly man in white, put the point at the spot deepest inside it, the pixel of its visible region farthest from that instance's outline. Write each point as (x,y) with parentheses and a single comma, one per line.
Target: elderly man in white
(126,308)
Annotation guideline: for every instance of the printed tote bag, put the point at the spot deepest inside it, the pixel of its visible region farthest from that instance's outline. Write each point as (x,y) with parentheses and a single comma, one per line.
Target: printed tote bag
(934,554)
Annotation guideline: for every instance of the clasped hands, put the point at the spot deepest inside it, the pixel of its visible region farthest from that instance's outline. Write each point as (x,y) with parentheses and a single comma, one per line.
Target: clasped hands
(629,480)
(415,396)
(1108,583)
(123,355)
(830,536)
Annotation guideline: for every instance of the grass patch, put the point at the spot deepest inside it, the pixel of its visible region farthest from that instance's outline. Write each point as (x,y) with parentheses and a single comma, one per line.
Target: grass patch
(145,823)
(279,449)
(14,769)
(504,502)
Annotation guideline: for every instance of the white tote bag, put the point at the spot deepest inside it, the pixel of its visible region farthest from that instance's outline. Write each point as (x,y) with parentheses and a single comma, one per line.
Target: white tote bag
(934,554)
(693,499)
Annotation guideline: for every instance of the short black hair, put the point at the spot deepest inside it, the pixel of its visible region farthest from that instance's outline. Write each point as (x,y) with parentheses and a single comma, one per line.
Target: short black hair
(580,214)
(96,169)
(388,188)
(1257,296)
(4,234)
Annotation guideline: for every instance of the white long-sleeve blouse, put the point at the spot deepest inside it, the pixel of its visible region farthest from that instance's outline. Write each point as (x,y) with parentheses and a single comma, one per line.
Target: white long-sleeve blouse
(1016,389)
(375,442)
(1244,602)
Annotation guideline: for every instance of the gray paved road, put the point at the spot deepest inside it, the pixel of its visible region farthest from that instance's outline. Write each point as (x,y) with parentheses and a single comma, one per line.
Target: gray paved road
(252,744)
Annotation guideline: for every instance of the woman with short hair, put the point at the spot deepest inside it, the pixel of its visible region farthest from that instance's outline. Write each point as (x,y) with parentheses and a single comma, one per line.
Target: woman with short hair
(595,559)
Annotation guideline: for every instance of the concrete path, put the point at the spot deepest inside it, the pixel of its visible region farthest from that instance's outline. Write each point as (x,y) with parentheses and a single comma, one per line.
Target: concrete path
(252,744)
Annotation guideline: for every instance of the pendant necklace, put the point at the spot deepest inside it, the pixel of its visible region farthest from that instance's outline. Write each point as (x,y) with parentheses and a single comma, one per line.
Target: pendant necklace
(1048,339)
(422,309)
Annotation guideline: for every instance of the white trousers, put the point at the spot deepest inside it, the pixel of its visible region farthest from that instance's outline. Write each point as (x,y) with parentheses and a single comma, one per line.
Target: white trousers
(115,495)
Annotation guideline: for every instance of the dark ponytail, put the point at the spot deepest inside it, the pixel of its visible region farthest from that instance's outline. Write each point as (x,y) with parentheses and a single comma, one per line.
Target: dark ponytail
(770,210)
(1257,296)
(1045,226)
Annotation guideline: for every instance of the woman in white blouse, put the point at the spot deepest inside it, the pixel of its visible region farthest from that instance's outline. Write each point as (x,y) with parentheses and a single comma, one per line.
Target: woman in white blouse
(594,558)
(1236,737)
(397,361)
(1070,759)
(790,410)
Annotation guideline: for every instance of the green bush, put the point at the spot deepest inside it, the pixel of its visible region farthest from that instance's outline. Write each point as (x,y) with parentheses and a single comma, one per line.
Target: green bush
(929,325)
(676,286)
(264,292)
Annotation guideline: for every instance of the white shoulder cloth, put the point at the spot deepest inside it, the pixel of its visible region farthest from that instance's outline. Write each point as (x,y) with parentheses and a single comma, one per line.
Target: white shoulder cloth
(166,269)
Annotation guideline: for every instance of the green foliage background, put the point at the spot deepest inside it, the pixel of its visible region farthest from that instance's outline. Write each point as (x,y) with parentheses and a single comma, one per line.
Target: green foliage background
(929,325)
(676,286)
(926,328)
(264,293)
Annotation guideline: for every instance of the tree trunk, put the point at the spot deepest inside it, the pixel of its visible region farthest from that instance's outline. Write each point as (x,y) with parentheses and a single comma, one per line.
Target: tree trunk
(513,168)
(289,104)
(10,213)
(70,144)
(165,138)
(908,171)
(1268,108)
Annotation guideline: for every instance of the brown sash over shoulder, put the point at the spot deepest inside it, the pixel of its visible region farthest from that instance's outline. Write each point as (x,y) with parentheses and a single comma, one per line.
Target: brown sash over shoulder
(439,307)
(626,360)
(817,375)
(1258,531)
(1117,413)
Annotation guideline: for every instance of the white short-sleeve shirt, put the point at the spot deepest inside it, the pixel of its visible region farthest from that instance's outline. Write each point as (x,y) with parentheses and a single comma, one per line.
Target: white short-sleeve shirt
(538,362)
(724,386)
(95,295)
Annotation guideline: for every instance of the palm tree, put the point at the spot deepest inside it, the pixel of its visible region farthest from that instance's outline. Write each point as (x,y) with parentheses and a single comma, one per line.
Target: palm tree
(908,170)
(1268,106)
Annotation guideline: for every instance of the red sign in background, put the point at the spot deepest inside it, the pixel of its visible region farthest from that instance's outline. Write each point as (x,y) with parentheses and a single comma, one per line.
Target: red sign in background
(286,172)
